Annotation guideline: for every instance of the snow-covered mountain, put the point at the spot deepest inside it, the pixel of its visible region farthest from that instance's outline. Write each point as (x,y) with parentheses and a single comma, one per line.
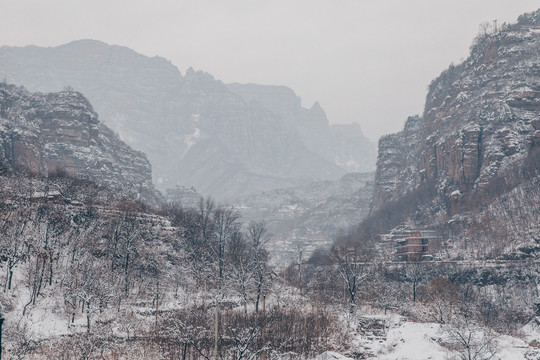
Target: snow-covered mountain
(342,144)
(195,130)
(476,143)
(102,276)
(44,133)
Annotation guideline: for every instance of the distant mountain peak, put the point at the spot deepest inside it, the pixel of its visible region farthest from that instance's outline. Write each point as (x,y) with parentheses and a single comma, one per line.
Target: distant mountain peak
(224,140)
(86,43)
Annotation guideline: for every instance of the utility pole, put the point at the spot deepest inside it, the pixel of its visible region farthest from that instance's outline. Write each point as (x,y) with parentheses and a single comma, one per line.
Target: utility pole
(216,330)
(263,354)
(157,303)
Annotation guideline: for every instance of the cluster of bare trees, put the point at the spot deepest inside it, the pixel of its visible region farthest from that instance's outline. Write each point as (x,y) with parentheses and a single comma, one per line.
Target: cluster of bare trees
(279,332)
(233,320)
(198,284)
(128,280)
(221,255)
(501,297)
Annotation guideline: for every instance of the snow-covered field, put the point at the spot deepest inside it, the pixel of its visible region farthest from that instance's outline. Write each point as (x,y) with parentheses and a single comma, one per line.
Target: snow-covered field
(406,340)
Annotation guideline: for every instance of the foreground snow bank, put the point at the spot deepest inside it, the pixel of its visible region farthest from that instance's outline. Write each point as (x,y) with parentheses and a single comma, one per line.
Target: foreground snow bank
(413,341)
(406,340)
(330,355)
(418,341)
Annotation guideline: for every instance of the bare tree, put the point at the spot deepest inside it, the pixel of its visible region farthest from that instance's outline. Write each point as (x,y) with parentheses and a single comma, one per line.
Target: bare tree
(53,227)
(15,225)
(352,261)
(441,297)
(91,284)
(35,272)
(258,237)
(226,225)
(244,333)
(124,244)
(485,28)
(471,341)
(242,265)
(415,273)
(20,341)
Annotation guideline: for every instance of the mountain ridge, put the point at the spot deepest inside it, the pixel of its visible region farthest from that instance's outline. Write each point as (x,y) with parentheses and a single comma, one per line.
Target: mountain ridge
(159,111)
(46,133)
(476,141)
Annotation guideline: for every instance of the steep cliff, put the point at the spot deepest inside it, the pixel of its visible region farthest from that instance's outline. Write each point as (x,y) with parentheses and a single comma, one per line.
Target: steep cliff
(479,132)
(342,144)
(41,133)
(195,130)
(470,165)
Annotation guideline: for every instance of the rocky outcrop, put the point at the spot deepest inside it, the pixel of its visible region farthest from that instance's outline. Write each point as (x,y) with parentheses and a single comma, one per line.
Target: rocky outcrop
(396,171)
(479,127)
(225,140)
(42,133)
(342,144)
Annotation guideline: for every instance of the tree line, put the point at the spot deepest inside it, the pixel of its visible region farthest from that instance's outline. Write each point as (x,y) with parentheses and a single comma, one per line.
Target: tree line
(129,280)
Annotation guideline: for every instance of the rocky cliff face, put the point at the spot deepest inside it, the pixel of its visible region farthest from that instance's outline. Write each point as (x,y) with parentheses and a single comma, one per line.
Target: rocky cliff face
(196,131)
(480,128)
(396,172)
(41,133)
(342,144)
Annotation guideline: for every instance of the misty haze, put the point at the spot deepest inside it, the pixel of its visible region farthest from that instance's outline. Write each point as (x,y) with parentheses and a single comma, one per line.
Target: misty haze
(234,180)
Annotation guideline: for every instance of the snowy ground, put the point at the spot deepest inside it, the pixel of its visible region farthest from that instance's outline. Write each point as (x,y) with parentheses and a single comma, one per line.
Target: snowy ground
(405,340)
(374,336)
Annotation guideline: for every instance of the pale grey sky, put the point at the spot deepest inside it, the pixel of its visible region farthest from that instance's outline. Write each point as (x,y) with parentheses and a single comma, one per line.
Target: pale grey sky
(368,61)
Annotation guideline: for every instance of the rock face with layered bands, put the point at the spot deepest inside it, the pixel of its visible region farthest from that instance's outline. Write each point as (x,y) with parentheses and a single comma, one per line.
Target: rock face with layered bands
(226,140)
(480,128)
(41,133)
(342,144)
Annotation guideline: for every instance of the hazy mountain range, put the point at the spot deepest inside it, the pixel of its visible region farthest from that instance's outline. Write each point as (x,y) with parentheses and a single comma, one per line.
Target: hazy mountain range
(91,271)
(226,140)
